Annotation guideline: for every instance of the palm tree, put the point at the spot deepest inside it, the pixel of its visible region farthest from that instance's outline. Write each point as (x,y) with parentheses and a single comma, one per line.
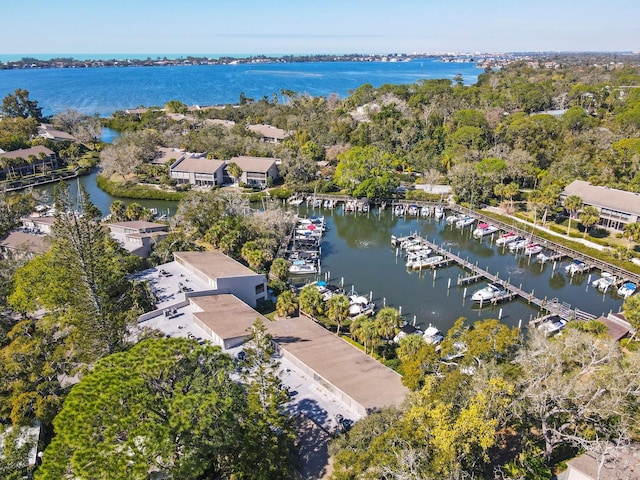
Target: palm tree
(311,301)
(338,310)
(632,231)
(572,204)
(510,190)
(589,217)
(287,304)
(388,320)
(117,211)
(234,170)
(364,329)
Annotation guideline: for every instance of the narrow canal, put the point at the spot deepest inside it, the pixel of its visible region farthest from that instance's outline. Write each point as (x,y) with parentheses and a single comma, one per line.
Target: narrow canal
(357,249)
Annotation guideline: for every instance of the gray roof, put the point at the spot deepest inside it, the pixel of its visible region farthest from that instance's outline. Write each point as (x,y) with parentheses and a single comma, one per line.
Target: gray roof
(352,371)
(254,164)
(26,152)
(226,315)
(138,225)
(26,242)
(267,131)
(621,465)
(605,197)
(213,264)
(198,165)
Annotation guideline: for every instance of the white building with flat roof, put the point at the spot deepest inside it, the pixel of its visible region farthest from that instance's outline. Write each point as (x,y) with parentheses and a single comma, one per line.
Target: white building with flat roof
(225,275)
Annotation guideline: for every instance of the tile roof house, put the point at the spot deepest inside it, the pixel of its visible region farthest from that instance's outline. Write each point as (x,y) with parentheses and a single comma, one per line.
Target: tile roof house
(268,133)
(39,224)
(257,170)
(138,237)
(198,171)
(617,207)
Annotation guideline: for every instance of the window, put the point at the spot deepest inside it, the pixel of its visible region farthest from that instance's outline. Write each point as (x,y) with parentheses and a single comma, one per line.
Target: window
(260,288)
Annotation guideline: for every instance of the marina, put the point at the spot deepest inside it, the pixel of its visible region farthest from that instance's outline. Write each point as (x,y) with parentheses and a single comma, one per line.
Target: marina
(356,246)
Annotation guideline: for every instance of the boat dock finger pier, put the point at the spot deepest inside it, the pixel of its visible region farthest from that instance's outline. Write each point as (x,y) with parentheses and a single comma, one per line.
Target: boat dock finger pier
(553,306)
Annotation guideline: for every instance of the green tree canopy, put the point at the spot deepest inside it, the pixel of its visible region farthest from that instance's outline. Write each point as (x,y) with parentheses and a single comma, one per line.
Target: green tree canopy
(166,406)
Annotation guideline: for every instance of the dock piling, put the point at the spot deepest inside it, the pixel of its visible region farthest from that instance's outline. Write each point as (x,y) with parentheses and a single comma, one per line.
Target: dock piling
(464,293)
(449,284)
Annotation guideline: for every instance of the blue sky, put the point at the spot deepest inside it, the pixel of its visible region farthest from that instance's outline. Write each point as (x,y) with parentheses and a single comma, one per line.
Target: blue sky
(320,26)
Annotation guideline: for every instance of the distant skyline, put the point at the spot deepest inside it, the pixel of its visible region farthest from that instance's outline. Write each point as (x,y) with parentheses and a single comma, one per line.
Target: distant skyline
(297,27)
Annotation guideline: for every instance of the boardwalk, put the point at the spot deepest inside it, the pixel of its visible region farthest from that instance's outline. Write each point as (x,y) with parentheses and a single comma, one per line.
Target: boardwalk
(553,306)
(560,251)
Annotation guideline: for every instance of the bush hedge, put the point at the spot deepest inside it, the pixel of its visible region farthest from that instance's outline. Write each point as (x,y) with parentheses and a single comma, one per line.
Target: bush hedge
(131,190)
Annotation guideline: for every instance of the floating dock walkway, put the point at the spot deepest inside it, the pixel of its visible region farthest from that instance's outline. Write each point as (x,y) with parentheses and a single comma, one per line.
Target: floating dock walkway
(553,306)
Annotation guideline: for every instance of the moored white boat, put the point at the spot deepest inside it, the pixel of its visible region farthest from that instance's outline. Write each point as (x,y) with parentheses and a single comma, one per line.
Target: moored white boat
(604,282)
(506,238)
(425,211)
(552,325)
(488,293)
(413,210)
(484,229)
(532,248)
(518,244)
(427,262)
(453,219)
(432,335)
(407,329)
(300,267)
(576,266)
(627,289)
(438,212)
(465,222)
(398,210)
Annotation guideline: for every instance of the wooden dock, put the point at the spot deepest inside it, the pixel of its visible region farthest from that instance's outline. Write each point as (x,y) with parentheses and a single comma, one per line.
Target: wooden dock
(553,306)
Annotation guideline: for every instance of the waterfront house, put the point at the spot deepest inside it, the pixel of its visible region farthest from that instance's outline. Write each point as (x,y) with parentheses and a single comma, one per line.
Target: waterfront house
(259,171)
(137,237)
(617,207)
(26,161)
(198,171)
(268,133)
(46,130)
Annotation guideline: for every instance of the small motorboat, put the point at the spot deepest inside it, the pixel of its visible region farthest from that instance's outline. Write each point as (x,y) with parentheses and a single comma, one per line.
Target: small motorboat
(453,219)
(488,293)
(432,335)
(465,222)
(484,229)
(532,248)
(438,212)
(398,210)
(301,267)
(413,210)
(604,282)
(552,325)
(576,266)
(407,329)
(506,239)
(426,262)
(425,211)
(518,244)
(627,289)
(360,305)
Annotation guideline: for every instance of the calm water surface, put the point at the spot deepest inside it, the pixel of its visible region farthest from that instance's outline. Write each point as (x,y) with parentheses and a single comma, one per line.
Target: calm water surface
(357,248)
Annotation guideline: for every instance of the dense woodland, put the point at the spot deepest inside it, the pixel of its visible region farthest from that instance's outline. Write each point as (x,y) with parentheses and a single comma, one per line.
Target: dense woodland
(515,406)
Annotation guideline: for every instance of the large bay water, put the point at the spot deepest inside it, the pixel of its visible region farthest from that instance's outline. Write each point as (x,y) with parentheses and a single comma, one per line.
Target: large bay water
(106,90)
